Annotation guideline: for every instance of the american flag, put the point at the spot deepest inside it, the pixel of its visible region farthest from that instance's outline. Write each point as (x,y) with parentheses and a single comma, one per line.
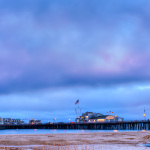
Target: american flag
(77,102)
(110,112)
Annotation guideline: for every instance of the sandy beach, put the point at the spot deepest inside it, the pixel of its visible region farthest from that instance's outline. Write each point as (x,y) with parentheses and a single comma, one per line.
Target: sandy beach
(95,141)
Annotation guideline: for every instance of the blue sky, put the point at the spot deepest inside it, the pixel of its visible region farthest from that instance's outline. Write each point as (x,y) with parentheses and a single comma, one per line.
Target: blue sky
(55,52)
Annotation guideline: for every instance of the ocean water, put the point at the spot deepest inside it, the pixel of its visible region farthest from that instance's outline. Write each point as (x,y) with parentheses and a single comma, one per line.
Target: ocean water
(53,131)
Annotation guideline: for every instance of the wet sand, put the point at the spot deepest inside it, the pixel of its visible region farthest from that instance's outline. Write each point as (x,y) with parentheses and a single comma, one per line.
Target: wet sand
(99,140)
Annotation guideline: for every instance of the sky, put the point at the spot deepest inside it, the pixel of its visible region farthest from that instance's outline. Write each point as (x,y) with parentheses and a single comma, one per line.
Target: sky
(53,52)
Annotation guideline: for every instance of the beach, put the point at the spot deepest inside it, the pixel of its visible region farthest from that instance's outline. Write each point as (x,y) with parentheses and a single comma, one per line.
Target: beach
(99,140)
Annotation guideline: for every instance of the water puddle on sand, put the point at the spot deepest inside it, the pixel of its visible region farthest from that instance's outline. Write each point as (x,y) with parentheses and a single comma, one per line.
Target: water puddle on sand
(24,147)
(147,145)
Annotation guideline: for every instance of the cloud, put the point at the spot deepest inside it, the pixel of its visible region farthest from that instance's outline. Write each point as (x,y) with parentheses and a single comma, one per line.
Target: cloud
(59,45)
(54,52)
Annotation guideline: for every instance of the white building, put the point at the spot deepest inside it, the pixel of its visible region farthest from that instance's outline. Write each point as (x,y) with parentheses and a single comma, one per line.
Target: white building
(90,117)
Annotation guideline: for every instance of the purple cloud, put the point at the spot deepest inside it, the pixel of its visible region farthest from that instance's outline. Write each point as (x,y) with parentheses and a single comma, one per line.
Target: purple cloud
(53,45)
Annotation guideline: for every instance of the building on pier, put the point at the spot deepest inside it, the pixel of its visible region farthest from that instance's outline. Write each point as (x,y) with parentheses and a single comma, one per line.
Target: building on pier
(1,120)
(17,122)
(35,122)
(9,121)
(90,117)
(6,121)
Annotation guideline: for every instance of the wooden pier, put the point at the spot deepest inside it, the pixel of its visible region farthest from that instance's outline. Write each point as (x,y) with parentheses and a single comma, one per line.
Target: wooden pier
(130,125)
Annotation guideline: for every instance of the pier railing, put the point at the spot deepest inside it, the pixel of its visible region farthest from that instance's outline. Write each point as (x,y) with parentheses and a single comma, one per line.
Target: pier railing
(124,125)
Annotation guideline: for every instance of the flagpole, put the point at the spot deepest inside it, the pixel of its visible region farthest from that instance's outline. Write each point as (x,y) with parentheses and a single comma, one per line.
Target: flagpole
(77,109)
